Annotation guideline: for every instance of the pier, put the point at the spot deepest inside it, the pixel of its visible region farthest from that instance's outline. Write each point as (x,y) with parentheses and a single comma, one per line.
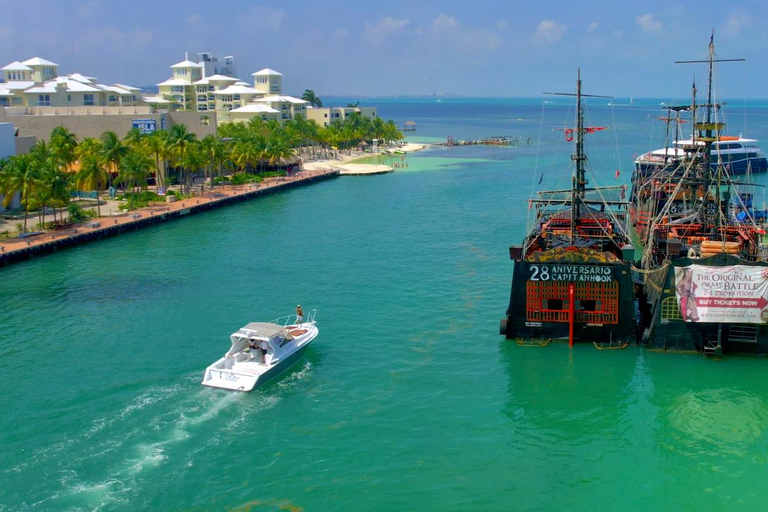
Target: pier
(17,249)
(501,140)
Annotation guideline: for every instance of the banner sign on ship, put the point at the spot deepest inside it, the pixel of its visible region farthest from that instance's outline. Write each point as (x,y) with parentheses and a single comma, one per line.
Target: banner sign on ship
(737,294)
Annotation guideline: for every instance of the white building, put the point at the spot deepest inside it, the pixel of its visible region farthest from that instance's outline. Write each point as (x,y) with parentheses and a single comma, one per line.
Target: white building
(188,89)
(36,83)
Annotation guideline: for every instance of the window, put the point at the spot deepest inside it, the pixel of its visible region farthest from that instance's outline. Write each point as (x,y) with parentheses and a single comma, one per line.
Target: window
(177,88)
(112,98)
(202,98)
(69,97)
(202,108)
(181,72)
(201,88)
(670,309)
(553,304)
(44,100)
(87,99)
(236,97)
(3,101)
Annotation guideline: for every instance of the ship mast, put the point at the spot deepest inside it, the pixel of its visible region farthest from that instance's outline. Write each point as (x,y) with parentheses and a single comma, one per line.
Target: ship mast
(709,130)
(579,178)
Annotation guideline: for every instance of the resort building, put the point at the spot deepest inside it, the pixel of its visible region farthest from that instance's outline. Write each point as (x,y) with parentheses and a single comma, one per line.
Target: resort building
(36,83)
(189,89)
(201,93)
(326,115)
(212,65)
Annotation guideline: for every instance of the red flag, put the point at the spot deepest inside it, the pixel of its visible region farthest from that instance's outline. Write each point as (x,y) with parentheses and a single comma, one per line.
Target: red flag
(617,173)
(530,204)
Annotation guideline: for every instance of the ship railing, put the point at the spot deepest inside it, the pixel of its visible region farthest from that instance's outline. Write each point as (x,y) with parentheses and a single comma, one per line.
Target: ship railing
(287,320)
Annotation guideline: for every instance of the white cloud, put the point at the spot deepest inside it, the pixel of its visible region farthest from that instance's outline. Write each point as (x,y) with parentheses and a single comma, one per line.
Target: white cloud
(502,25)
(444,22)
(383,29)
(738,21)
(194,18)
(260,17)
(446,33)
(648,23)
(549,32)
(592,27)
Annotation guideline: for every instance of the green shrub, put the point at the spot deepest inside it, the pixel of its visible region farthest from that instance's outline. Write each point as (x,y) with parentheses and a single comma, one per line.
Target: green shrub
(241,178)
(76,213)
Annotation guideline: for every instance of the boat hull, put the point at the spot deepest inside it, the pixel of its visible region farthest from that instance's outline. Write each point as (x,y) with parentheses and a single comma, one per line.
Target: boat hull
(670,330)
(539,307)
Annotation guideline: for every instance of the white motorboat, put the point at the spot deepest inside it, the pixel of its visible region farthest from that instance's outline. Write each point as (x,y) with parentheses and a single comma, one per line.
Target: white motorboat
(260,351)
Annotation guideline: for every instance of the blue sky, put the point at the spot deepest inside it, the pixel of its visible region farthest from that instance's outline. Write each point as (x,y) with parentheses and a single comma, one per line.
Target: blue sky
(467,48)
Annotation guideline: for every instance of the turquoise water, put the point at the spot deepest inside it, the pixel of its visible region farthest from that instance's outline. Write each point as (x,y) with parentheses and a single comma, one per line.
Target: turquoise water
(408,399)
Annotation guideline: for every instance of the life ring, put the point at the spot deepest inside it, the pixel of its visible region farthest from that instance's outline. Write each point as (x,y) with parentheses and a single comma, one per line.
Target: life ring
(691,252)
(569,134)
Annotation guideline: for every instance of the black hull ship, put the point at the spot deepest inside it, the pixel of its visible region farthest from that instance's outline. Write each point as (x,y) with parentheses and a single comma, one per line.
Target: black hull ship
(572,276)
(703,263)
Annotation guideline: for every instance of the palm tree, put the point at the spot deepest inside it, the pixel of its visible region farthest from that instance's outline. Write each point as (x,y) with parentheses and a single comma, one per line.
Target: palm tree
(245,152)
(310,97)
(216,152)
(179,140)
(63,144)
(156,143)
(20,174)
(112,152)
(92,174)
(195,158)
(134,138)
(134,170)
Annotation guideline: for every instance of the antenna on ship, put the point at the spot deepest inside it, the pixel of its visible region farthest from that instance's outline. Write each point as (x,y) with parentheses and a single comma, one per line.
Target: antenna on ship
(579,180)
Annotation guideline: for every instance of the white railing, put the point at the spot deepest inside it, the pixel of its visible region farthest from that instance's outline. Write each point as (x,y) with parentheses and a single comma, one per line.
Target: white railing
(286,320)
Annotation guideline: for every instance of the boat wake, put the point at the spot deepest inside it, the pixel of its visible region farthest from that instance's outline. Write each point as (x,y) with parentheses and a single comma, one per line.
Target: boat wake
(116,455)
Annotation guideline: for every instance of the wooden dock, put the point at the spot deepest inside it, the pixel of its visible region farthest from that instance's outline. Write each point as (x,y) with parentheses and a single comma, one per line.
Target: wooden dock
(502,140)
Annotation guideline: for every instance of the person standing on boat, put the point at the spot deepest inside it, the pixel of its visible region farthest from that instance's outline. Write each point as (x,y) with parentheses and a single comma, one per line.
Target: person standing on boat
(299,314)
(264,347)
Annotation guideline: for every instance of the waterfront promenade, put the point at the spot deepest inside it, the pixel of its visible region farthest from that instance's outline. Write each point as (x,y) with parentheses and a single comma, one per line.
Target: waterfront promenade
(114,221)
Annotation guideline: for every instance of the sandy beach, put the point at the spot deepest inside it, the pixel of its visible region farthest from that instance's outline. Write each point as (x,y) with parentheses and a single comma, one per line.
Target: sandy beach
(347,166)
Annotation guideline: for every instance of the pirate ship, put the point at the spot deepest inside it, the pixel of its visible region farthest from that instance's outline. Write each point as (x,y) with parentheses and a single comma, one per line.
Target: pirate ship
(572,277)
(703,261)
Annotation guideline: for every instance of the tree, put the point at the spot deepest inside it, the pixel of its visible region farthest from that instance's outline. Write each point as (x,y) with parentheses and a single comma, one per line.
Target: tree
(179,140)
(215,151)
(19,175)
(157,144)
(92,174)
(310,97)
(134,170)
(63,145)
(112,152)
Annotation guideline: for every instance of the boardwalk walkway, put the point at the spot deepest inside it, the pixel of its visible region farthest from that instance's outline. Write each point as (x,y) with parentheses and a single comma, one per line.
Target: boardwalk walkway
(18,249)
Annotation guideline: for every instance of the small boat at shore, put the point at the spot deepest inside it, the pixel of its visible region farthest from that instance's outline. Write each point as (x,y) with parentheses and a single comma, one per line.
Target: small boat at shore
(260,351)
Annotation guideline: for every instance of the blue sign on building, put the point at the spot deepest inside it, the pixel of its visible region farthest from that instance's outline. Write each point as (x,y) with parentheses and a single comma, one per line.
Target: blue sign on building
(145,126)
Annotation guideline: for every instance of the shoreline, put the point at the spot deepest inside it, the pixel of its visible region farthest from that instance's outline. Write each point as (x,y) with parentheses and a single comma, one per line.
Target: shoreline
(348,166)
(17,249)
(113,221)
